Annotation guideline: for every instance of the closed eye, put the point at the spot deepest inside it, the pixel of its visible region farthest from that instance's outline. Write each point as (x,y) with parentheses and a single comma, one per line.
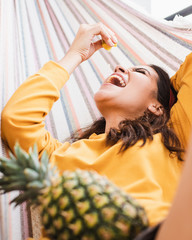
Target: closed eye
(140,70)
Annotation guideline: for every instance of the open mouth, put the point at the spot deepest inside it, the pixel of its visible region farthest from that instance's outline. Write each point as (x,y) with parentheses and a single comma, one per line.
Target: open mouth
(116,80)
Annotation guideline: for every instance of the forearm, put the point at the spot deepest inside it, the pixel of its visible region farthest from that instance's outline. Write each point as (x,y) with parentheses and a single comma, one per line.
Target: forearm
(23,116)
(178,223)
(70,61)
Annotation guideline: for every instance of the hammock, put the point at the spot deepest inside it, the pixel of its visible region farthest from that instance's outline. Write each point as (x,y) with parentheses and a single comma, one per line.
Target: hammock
(34,32)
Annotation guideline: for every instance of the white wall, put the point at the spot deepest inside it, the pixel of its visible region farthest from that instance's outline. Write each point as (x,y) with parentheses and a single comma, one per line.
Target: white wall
(165,8)
(161,8)
(146,4)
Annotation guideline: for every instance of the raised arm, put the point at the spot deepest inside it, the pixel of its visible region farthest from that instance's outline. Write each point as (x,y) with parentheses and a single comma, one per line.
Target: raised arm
(181,113)
(23,116)
(177,225)
(178,222)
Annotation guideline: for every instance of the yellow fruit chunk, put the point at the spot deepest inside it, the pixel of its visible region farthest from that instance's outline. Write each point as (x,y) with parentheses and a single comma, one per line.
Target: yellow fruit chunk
(107,47)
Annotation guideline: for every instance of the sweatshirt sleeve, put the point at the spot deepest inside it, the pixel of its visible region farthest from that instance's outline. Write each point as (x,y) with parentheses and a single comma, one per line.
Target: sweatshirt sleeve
(24,114)
(181,112)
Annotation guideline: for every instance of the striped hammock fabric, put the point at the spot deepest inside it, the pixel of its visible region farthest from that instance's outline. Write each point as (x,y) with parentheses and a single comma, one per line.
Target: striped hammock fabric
(33,32)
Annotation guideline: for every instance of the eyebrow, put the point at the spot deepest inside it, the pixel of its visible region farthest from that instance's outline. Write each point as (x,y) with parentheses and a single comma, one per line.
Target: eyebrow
(144,69)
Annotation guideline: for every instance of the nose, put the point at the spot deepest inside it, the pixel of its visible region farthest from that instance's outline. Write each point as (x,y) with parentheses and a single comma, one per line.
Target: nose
(120,68)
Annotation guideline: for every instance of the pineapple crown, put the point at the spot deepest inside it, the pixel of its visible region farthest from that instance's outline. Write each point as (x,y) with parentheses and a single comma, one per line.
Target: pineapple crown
(77,205)
(25,172)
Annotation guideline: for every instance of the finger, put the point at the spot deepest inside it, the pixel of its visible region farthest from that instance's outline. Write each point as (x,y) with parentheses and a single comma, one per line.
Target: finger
(106,34)
(112,34)
(98,45)
(107,47)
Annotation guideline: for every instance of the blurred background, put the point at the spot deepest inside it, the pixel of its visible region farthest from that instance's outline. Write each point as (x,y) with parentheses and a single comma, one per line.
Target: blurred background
(165,8)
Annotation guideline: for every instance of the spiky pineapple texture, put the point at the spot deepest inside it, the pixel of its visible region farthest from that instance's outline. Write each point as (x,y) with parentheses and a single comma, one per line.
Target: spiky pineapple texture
(78,205)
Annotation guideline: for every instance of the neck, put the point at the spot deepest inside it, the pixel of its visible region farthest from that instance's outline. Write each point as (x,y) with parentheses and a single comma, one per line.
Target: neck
(112,122)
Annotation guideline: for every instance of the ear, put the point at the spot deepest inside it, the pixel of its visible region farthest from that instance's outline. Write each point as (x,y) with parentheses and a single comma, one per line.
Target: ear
(157,109)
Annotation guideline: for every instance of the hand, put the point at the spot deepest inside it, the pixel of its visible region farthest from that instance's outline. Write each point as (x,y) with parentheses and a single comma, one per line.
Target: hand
(83,43)
(83,46)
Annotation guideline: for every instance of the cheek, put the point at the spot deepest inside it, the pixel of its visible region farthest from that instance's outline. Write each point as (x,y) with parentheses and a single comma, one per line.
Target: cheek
(141,88)
(138,96)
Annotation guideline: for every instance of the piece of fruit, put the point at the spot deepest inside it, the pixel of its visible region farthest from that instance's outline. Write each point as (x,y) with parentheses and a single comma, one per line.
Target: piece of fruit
(107,47)
(78,205)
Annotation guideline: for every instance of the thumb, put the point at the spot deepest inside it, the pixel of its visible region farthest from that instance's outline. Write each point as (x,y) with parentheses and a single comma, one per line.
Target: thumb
(97,45)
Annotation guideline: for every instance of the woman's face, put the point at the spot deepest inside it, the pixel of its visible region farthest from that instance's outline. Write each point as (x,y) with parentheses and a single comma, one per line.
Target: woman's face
(128,92)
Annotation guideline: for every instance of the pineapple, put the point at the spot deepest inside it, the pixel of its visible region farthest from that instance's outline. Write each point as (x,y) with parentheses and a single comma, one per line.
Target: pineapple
(79,204)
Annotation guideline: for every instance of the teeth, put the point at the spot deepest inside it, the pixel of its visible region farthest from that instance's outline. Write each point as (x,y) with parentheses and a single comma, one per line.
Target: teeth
(121,81)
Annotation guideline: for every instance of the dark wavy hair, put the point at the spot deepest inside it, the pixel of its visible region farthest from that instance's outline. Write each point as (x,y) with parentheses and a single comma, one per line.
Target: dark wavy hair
(142,128)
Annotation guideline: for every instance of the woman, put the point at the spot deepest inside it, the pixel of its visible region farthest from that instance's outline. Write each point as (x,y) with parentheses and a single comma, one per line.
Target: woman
(131,144)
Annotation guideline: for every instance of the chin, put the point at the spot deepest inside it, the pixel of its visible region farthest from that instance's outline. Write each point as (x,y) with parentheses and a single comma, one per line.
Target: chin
(103,95)
(99,96)
(100,100)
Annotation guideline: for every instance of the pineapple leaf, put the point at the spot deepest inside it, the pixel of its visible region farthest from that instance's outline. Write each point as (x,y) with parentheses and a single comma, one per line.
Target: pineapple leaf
(12,157)
(21,156)
(7,165)
(52,172)
(45,159)
(35,151)
(42,172)
(10,168)
(11,179)
(33,158)
(35,185)
(33,162)
(25,196)
(26,173)
(30,174)
(2,169)
(4,159)
(19,185)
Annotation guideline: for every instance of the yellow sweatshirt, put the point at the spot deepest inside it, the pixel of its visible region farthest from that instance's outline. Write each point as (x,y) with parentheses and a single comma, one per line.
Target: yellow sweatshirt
(147,173)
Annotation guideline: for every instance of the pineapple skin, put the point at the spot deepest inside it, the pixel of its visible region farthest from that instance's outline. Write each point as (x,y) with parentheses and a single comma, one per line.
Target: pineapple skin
(83,205)
(77,205)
